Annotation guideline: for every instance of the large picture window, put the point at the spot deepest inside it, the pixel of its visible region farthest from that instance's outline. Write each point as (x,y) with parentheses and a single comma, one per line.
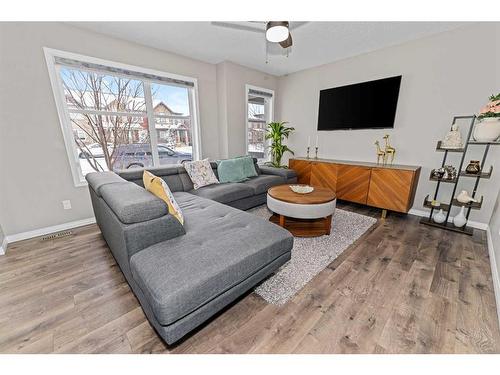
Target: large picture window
(259,114)
(117,117)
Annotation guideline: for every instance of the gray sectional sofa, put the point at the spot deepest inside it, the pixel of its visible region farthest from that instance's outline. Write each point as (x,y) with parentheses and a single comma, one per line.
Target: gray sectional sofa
(183,275)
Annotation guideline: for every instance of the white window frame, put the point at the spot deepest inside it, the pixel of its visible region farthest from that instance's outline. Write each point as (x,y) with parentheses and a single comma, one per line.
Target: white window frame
(269,110)
(64,118)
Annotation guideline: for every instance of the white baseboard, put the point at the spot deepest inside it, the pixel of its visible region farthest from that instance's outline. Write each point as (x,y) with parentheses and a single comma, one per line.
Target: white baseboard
(494,271)
(47,230)
(3,246)
(470,223)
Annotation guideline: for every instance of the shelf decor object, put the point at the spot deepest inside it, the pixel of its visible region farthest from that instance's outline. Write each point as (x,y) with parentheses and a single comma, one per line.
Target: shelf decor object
(459,222)
(474,167)
(453,139)
(439,217)
(488,128)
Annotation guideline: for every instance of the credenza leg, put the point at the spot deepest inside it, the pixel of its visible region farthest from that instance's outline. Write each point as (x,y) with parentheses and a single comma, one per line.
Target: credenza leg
(384,214)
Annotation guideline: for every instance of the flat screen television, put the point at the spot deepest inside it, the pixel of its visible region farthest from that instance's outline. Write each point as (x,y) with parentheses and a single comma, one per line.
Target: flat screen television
(366,105)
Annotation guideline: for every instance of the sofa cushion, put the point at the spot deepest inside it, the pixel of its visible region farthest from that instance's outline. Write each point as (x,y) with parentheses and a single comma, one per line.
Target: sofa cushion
(263,182)
(286,173)
(200,172)
(160,189)
(97,180)
(131,203)
(136,173)
(222,247)
(236,170)
(224,193)
(172,174)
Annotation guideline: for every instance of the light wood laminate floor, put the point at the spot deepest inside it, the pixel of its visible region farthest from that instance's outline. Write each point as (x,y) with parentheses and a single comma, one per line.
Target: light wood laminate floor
(401,288)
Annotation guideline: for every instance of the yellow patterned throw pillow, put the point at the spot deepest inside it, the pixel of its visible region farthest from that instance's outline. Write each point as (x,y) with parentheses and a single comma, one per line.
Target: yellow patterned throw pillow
(158,187)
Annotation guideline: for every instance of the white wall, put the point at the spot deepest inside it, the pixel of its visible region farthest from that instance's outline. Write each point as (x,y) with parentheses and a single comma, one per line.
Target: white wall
(34,167)
(445,75)
(231,79)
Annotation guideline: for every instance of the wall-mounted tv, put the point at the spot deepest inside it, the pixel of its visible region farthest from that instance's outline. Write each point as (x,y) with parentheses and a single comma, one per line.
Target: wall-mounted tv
(366,105)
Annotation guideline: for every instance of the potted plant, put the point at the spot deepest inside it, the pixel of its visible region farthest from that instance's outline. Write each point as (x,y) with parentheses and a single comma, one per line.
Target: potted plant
(488,127)
(277,132)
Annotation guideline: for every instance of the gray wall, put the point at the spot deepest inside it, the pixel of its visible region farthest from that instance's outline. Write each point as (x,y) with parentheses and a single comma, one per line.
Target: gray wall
(32,146)
(445,75)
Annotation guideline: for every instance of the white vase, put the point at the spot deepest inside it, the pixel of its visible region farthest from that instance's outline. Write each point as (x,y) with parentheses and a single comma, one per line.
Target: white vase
(460,220)
(439,217)
(487,129)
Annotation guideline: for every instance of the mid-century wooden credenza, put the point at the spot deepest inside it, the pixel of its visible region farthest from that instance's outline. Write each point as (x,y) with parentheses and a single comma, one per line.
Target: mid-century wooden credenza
(389,187)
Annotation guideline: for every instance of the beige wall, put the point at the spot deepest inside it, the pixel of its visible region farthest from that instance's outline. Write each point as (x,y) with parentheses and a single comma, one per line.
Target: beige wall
(32,154)
(445,75)
(231,79)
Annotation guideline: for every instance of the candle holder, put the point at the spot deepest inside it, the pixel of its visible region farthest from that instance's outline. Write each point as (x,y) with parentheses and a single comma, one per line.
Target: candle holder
(308,151)
(316,154)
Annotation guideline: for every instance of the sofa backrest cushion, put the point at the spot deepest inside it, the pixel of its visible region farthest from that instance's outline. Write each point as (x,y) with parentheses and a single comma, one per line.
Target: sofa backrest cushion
(174,175)
(132,203)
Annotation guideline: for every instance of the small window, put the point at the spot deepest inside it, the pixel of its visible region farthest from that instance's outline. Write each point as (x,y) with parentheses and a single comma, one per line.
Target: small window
(259,113)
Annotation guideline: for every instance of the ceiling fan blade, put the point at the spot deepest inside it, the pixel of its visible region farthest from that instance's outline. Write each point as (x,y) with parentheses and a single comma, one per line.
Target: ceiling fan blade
(236,26)
(287,42)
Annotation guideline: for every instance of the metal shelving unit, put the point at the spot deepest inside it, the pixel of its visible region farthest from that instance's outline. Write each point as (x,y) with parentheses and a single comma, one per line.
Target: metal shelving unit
(460,173)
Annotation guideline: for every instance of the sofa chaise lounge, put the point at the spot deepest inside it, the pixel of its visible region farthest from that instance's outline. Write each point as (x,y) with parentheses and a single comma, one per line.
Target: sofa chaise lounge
(184,274)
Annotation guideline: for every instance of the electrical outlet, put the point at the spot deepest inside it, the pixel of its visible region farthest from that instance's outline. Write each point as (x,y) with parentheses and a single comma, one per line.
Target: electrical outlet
(66,205)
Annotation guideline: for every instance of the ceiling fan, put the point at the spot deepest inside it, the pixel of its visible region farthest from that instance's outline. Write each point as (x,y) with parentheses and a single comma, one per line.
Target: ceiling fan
(277,33)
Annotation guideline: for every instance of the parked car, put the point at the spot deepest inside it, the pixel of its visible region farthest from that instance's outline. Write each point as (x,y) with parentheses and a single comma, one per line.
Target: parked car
(95,149)
(138,155)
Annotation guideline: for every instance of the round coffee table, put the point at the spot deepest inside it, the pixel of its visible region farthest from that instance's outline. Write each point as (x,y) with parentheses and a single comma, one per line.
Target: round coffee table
(304,215)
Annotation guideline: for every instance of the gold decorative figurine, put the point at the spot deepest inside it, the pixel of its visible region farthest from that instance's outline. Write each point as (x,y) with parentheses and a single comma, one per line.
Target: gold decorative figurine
(380,153)
(389,150)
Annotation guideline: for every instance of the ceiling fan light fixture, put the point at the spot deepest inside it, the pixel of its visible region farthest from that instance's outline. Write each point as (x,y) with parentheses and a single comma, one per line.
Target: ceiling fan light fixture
(277,31)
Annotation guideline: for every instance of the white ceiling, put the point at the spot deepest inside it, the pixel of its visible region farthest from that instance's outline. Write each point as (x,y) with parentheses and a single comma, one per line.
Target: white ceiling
(314,43)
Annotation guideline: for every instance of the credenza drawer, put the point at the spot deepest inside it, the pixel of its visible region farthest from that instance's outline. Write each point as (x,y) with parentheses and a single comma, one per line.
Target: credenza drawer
(352,183)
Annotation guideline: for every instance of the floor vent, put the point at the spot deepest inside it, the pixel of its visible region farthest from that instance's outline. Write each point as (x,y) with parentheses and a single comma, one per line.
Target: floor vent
(53,236)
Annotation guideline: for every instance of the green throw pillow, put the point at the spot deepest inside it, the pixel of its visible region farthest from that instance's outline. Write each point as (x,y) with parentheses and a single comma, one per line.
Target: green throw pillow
(236,170)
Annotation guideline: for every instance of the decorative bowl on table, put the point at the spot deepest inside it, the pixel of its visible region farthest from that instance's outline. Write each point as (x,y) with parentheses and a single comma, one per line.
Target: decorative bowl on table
(302,189)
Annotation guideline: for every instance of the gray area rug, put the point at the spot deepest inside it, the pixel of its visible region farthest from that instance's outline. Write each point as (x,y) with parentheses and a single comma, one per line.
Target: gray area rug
(311,255)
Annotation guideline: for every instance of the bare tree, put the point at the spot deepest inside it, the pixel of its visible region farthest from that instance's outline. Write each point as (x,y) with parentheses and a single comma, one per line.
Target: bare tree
(92,91)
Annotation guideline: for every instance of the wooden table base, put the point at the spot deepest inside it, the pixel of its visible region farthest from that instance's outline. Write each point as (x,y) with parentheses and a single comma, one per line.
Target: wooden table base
(304,227)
